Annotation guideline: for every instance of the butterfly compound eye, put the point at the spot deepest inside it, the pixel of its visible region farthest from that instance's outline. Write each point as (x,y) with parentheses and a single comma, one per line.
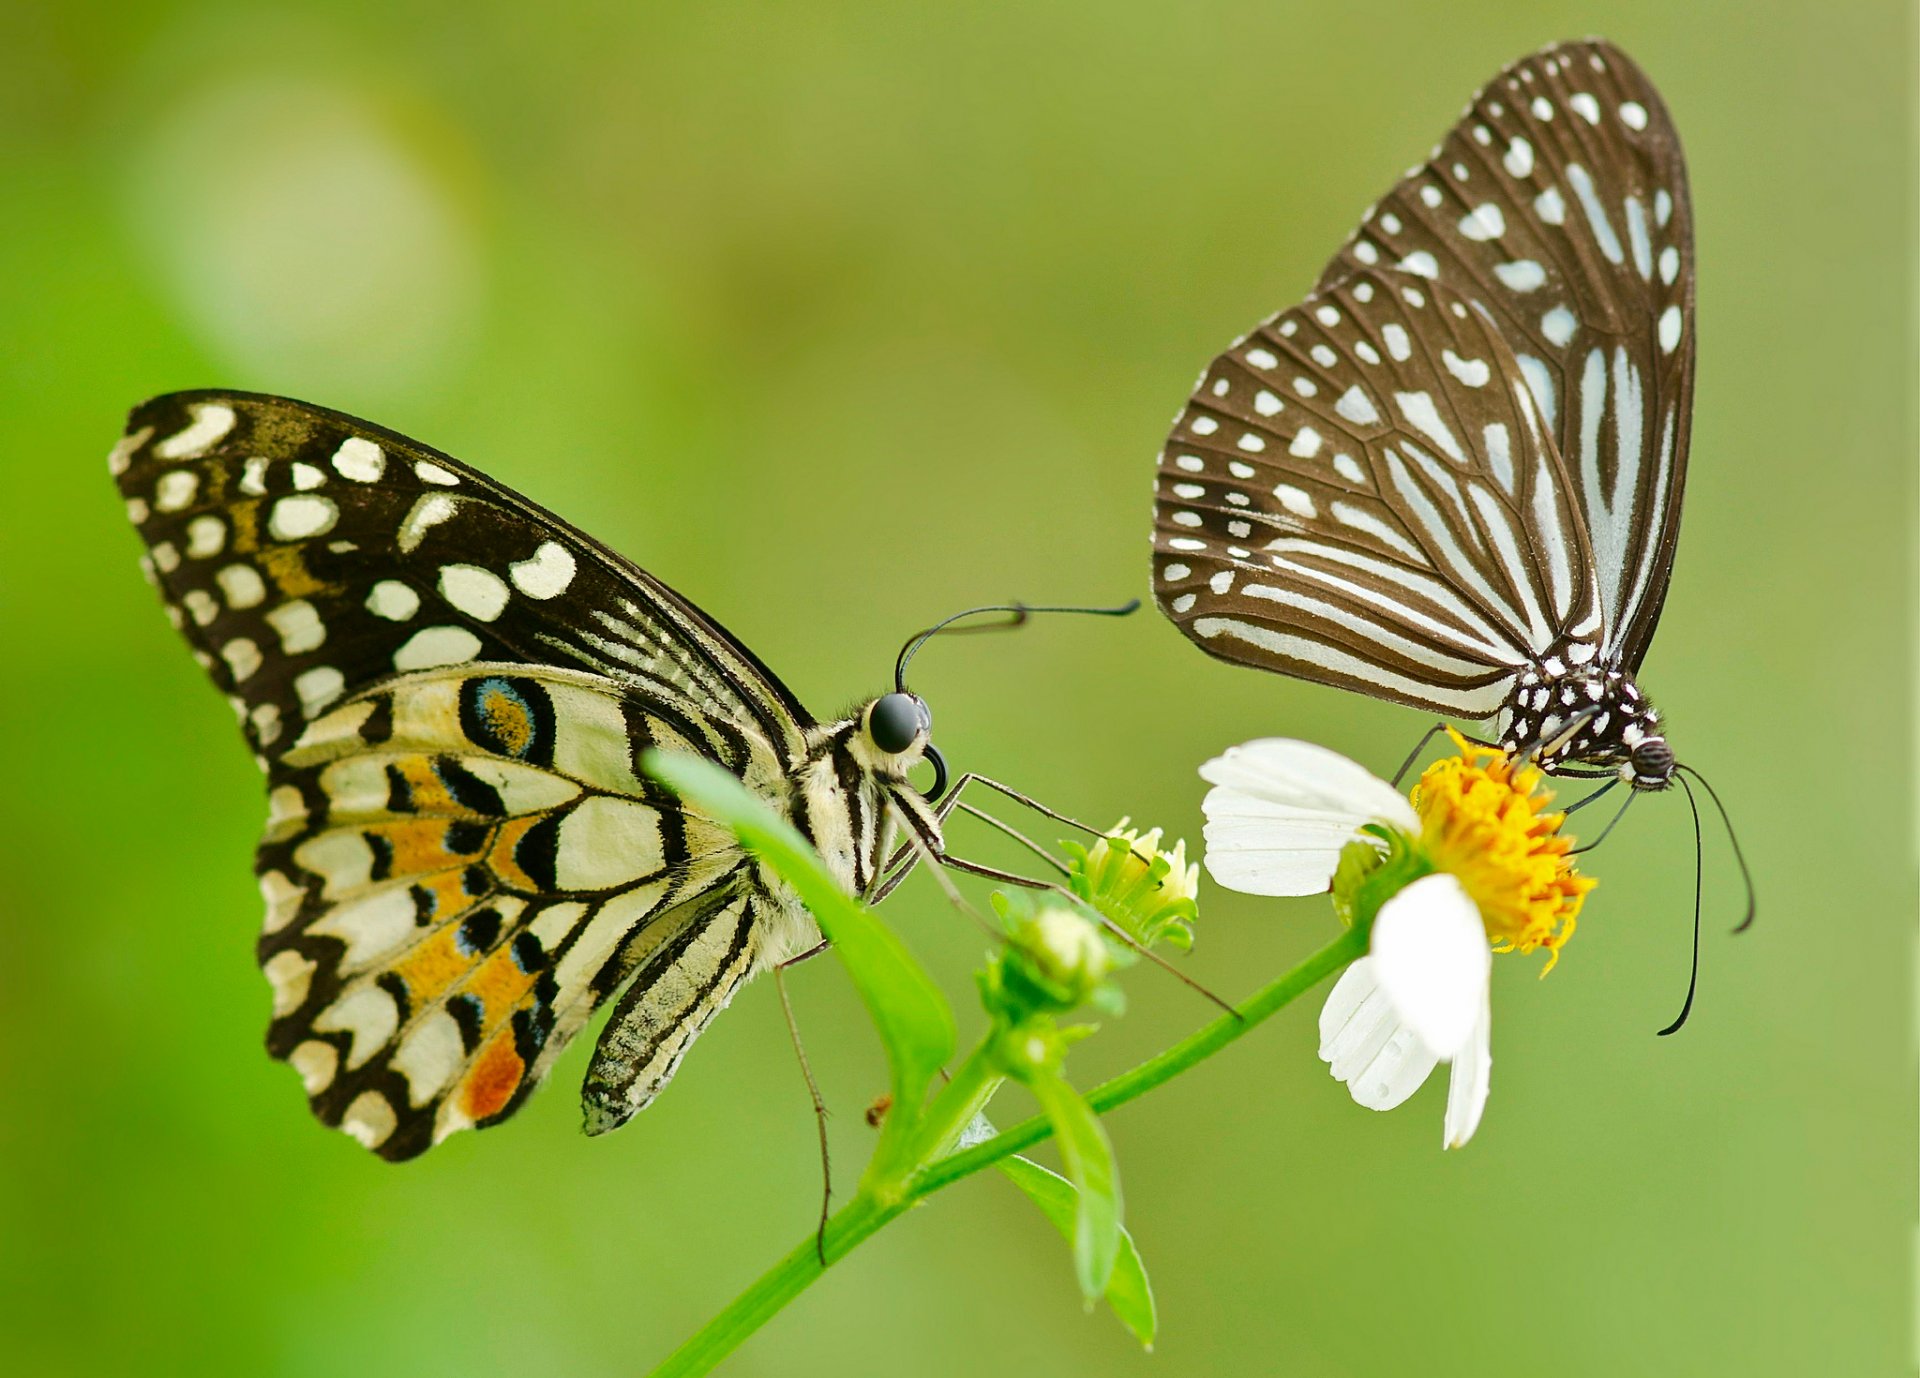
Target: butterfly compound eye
(894,721)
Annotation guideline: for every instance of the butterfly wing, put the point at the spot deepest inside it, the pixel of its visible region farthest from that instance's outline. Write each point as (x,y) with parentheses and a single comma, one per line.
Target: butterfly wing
(305,553)
(1558,204)
(1362,492)
(449,689)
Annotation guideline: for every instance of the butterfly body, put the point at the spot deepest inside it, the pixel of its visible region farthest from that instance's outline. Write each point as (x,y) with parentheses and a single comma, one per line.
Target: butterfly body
(1451,476)
(1593,717)
(451,691)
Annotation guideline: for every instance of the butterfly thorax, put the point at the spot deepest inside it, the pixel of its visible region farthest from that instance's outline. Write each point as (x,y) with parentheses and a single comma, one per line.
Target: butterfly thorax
(847,796)
(1563,716)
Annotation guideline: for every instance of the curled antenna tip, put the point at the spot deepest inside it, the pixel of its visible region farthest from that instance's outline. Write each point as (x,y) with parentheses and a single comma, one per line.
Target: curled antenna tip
(1018,614)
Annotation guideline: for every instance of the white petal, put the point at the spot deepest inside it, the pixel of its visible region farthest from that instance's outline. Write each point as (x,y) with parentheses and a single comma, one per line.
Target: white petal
(1381,1060)
(1282,810)
(1431,957)
(1472,1075)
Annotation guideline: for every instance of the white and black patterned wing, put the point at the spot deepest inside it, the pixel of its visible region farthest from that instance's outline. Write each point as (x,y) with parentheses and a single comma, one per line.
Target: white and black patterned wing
(461,865)
(1558,204)
(449,689)
(1361,492)
(305,554)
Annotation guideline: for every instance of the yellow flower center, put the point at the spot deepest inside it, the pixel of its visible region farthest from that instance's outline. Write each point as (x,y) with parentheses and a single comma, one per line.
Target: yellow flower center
(1483,819)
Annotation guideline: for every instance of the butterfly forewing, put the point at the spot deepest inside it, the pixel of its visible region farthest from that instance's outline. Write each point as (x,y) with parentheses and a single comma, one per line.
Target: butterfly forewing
(305,553)
(1558,204)
(1362,492)
(449,689)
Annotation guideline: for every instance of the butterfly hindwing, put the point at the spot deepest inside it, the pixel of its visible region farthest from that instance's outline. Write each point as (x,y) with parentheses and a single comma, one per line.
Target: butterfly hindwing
(1558,204)
(1362,492)
(460,866)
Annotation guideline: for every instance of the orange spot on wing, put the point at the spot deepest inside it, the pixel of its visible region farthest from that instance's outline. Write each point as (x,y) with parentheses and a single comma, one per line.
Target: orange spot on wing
(433,966)
(425,793)
(496,1075)
(288,570)
(505,840)
(500,986)
(420,846)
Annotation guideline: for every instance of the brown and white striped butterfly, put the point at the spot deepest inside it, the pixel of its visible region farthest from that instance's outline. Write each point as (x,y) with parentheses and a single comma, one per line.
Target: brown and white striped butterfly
(449,689)
(1451,477)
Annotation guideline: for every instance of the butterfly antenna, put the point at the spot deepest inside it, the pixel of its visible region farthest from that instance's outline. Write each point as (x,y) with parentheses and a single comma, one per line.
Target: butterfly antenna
(1017,614)
(1693,975)
(1746,876)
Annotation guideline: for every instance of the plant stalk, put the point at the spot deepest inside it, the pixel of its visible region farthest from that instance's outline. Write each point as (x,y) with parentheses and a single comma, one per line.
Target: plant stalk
(880,1201)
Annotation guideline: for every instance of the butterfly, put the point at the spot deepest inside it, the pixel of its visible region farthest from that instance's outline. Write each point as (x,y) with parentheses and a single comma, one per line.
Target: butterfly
(450,689)
(1451,477)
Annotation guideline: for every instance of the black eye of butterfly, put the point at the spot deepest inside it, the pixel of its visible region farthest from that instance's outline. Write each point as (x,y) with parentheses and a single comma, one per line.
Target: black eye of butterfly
(894,721)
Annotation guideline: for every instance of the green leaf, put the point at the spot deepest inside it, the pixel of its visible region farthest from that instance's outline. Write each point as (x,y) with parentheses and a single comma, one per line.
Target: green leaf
(1128,1293)
(915,1022)
(1088,1159)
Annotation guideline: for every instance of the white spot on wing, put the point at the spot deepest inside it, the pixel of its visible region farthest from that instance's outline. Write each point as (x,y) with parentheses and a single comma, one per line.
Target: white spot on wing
(1483,222)
(211,422)
(477,592)
(1551,206)
(428,472)
(242,586)
(1521,275)
(298,625)
(359,459)
(1519,158)
(318,687)
(206,537)
(242,657)
(431,646)
(1558,325)
(301,516)
(392,600)
(1633,114)
(1421,264)
(1398,345)
(1473,372)
(1296,500)
(175,490)
(1669,329)
(427,512)
(1357,407)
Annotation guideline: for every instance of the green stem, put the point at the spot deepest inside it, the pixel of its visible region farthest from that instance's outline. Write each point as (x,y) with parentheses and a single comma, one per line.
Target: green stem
(779,1285)
(1156,1070)
(880,1201)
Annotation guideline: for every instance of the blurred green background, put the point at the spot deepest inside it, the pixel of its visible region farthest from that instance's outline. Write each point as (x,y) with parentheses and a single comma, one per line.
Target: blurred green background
(841,317)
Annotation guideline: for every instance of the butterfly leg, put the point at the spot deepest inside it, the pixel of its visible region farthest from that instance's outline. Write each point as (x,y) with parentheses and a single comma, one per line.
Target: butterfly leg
(976,868)
(953,801)
(1421,746)
(813,1090)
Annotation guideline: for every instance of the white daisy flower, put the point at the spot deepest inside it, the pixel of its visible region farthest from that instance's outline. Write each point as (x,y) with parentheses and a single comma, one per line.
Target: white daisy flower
(1470,865)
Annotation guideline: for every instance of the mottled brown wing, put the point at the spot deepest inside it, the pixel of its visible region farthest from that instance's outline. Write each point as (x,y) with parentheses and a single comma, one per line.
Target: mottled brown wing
(1558,204)
(1361,492)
